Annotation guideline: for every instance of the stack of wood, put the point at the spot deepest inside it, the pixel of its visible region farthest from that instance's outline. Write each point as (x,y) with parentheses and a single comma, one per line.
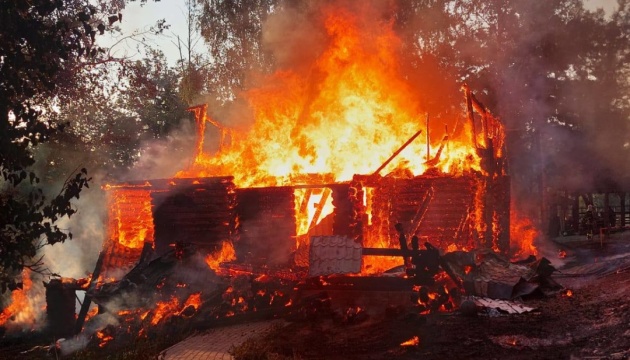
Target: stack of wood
(194,211)
(451,200)
(60,305)
(130,225)
(498,201)
(349,210)
(266,219)
(130,219)
(118,259)
(434,206)
(469,211)
(343,209)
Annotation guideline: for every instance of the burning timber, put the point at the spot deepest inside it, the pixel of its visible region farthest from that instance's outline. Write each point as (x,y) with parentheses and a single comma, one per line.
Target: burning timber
(272,226)
(347,238)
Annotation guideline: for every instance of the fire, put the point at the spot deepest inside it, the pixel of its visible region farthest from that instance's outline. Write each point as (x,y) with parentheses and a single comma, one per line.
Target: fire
(130,216)
(311,205)
(457,247)
(562,254)
(522,234)
(432,300)
(193,300)
(164,309)
(104,338)
(226,254)
(568,293)
(124,312)
(21,312)
(467,269)
(362,109)
(93,312)
(414,341)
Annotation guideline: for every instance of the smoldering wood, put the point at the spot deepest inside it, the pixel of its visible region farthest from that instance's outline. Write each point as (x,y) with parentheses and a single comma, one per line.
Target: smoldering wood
(87,300)
(60,306)
(266,224)
(200,211)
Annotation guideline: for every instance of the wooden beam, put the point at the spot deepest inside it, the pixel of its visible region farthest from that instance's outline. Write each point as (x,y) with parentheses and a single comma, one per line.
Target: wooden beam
(87,300)
(389,252)
(397,152)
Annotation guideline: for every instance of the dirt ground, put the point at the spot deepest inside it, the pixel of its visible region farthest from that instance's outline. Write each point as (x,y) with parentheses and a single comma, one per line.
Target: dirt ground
(592,323)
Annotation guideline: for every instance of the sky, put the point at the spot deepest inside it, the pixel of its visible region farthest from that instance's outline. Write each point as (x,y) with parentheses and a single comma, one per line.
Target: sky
(137,18)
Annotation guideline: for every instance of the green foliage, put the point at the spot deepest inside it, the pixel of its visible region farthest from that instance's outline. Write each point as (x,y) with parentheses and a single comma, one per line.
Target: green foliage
(233,31)
(42,42)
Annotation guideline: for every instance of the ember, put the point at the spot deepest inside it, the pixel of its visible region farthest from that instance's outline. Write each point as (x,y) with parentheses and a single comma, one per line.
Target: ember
(414,341)
(103,338)
(164,309)
(193,302)
(467,269)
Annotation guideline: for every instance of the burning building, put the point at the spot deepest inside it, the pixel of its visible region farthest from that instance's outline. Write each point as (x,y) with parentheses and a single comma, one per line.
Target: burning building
(455,203)
(346,151)
(335,169)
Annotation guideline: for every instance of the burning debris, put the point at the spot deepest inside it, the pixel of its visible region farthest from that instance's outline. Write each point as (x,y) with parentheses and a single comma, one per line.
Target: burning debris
(414,341)
(316,230)
(343,198)
(22,312)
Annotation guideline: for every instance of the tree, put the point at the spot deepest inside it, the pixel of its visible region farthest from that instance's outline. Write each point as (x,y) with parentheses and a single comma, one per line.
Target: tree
(110,124)
(233,32)
(555,73)
(42,44)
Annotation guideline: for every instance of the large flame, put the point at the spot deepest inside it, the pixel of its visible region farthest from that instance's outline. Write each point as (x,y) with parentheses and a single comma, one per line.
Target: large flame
(21,313)
(344,113)
(130,216)
(346,116)
(225,254)
(523,233)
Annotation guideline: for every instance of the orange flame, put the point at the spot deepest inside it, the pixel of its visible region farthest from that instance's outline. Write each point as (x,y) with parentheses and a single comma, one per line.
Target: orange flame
(93,312)
(21,312)
(104,338)
(362,109)
(522,234)
(130,216)
(164,309)
(414,341)
(193,300)
(226,254)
